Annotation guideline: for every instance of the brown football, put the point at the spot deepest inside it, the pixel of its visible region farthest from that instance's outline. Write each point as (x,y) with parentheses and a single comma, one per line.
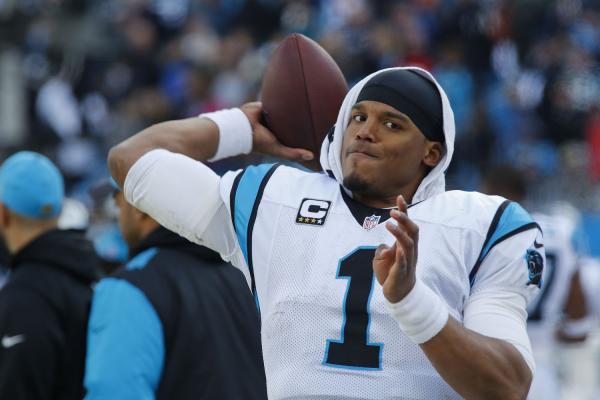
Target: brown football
(302,91)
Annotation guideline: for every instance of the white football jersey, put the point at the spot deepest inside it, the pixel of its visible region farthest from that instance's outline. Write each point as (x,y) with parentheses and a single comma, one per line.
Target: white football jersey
(307,249)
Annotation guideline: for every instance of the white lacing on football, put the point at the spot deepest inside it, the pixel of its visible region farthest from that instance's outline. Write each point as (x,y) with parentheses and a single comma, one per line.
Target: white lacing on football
(235,132)
(421,314)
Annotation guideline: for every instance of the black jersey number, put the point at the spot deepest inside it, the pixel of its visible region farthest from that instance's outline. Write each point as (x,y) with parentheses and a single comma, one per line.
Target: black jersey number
(353,349)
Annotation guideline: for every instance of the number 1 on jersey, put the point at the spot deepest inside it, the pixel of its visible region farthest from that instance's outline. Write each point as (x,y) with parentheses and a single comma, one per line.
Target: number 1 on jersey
(353,350)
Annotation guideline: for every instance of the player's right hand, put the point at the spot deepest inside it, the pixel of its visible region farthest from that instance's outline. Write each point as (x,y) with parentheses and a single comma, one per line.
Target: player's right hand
(265,142)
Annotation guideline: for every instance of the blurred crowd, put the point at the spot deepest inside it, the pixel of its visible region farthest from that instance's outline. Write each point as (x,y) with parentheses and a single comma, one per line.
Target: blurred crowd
(78,76)
(523,77)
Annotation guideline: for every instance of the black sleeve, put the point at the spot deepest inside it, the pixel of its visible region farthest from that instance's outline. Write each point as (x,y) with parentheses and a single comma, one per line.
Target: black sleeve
(31,344)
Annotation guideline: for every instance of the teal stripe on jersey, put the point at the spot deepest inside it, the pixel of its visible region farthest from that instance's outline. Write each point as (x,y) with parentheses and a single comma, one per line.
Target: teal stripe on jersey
(509,220)
(246,195)
(513,218)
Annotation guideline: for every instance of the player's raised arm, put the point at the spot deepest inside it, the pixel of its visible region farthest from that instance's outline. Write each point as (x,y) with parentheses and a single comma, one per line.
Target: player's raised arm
(160,173)
(213,136)
(197,138)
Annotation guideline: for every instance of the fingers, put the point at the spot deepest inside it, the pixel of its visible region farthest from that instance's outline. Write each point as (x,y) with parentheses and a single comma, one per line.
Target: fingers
(395,266)
(383,262)
(406,232)
(401,215)
(401,203)
(253,111)
(404,222)
(405,251)
(264,141)
(290,153)
(385,252)
(394,275)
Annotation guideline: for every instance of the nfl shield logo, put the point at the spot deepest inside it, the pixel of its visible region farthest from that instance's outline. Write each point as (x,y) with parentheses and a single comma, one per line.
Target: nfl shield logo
(371,222)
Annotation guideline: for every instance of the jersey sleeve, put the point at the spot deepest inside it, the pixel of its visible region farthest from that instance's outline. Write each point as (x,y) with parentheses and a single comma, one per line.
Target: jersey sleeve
(512,256)
(125,354)
(188,198)
(184,196)
(506,276)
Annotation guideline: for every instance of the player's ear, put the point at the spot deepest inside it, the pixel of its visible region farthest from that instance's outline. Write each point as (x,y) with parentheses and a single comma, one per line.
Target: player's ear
(143,217)
(138,216)
(433,153)
(119,199)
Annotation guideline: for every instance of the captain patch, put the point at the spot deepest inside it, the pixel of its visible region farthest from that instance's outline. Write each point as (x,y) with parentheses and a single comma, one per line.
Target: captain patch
(313,212)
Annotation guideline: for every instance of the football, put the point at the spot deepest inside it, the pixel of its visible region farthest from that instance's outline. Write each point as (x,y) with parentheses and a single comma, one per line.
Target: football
(302,91)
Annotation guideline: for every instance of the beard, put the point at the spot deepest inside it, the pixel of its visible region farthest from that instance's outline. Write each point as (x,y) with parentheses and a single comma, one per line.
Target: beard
(360,186)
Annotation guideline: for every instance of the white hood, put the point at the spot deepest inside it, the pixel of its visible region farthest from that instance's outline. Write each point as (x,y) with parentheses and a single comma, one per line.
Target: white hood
(331,148)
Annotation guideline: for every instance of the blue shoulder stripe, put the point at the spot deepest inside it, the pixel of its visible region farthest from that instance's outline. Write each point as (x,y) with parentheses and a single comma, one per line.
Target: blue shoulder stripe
(245,198)
(510,219)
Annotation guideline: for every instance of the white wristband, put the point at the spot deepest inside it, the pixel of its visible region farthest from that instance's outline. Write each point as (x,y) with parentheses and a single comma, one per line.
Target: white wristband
(421,314)
(235,132)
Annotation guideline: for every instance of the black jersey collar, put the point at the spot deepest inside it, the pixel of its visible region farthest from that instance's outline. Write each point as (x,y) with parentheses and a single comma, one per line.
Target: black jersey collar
(361,211)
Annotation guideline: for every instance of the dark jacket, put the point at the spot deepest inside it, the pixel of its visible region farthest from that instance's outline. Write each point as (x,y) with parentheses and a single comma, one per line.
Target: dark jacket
(176,323)
(4,261)
(43,317)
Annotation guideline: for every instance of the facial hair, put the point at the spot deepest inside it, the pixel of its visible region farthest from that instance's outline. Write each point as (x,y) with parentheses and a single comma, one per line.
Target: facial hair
(359,186)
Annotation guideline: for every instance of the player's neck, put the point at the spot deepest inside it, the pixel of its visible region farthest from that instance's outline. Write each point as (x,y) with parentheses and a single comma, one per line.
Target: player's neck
(380,202)
(388,200)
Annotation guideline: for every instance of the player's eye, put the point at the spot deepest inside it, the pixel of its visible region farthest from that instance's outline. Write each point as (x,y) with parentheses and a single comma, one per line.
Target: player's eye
(359,118)
(392,125)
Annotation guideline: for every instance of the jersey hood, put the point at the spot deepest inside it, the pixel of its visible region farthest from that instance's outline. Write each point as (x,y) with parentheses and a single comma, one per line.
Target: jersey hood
(331,148)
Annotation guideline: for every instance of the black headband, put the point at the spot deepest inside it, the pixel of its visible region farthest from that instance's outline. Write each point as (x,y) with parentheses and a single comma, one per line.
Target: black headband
(411,94)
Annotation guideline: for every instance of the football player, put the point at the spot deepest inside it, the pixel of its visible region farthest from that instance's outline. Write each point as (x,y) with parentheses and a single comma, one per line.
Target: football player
(559,313)
(372,281)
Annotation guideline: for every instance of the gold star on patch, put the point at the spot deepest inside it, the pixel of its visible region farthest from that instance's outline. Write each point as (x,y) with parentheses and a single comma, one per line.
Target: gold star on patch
(300,219)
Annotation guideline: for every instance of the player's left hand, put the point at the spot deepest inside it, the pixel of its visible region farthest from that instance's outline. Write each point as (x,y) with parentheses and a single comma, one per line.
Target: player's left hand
(395,265)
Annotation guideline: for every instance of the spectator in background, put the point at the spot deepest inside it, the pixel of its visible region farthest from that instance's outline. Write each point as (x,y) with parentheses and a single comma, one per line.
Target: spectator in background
(45,303)
(559,314)
(83,76)
(3,264)
(104,232)
(175,323)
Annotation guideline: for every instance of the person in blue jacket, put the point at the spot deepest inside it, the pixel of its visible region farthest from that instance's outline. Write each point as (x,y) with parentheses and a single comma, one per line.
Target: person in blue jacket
(175,323)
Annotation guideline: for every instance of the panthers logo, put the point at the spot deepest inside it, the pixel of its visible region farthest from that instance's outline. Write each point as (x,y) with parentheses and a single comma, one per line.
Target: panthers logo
(535,265)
